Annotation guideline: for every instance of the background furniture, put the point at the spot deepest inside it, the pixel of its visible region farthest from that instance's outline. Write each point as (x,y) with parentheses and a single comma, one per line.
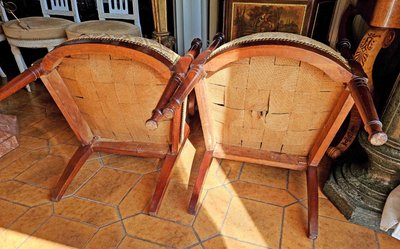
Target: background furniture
(94,81)
(359,188)
(110,9)
(2,38)
(311,18)
(40,32)
(286,113)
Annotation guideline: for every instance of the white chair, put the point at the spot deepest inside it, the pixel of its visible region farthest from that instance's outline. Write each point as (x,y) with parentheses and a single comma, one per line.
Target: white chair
(43,32)
(2,37)
(110,9)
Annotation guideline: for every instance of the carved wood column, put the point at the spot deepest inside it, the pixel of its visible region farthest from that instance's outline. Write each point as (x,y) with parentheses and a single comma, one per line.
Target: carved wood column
(161,33)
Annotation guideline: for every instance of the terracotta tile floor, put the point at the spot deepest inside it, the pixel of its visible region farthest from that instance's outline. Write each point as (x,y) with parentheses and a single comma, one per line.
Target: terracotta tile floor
(243,205)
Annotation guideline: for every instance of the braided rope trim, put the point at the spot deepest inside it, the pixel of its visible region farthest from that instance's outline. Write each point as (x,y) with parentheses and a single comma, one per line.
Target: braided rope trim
(153,45)
(283,37)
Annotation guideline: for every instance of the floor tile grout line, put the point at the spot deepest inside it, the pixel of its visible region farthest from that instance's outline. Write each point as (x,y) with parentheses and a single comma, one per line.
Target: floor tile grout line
(76,220)
(287,179)
(263,202)
(121,221)
(32,184)
(149,241)
(282,226)
(241,170)
(25,205)
(106,166)
(91,200)
(120,241)
(87,180)
(196,235)
(226,214)
(35,230)
(200,207)
(244,241)
(17,203)
(30,165)
(261,184)
(140,178)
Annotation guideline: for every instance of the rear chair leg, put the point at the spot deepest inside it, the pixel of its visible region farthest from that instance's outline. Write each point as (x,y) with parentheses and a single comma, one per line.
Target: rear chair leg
(162,183)
(312,192)
(74,165)
(198,186)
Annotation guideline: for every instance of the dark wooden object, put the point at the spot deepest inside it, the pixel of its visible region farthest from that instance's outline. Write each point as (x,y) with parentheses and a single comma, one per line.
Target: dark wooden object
(181,67)
(315,22)
(85,130)
(373,41)
(286,47)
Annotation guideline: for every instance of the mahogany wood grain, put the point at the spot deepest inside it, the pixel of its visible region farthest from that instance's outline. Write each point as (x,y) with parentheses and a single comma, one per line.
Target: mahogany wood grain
(198,186)
(205,115)
(74,165)
(335,69)
(99,47)
(312,199)
(260,157)
(29,75)
(193,76)
(61,95)
(175,132)
(180,69)
(131,148)
(326,135)
(163,65)
(381,13)
(164,177)
(162,183)
(365,105)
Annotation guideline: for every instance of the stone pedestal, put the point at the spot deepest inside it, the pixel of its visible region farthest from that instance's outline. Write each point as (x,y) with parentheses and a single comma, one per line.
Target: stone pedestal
(359,188)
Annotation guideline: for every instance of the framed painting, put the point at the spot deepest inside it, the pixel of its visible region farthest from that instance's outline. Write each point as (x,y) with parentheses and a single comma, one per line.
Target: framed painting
(244,17)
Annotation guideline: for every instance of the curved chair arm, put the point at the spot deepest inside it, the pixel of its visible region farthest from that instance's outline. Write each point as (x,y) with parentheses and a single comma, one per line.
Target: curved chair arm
(180,69)
(192,78)
(359,88)
(29,75)
(363,99)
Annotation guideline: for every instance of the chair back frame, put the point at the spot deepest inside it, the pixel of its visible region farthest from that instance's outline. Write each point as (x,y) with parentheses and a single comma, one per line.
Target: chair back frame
(60,8)
(47,71)
(119,9)
(289,46)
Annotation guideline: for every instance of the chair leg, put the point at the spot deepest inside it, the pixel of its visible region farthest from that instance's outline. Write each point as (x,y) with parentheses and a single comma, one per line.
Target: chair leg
(74,165)
(198,186)
(162,183)
(20,62)
(312,192)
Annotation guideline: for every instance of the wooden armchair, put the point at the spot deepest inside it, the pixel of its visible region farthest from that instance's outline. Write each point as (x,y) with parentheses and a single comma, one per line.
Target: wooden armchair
(275,99)
(105,87)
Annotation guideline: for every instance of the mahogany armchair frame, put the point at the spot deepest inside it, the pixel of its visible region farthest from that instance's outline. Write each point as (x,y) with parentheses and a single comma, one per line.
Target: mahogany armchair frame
(356,92)
(91,143)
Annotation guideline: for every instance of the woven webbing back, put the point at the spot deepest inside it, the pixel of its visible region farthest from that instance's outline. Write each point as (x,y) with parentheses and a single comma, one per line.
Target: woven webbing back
(115,95)
(270,103)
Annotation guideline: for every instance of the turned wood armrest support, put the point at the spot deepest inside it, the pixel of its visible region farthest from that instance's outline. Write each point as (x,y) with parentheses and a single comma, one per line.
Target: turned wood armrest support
(363,99)
(29,75)
(180,69)
(196,73)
